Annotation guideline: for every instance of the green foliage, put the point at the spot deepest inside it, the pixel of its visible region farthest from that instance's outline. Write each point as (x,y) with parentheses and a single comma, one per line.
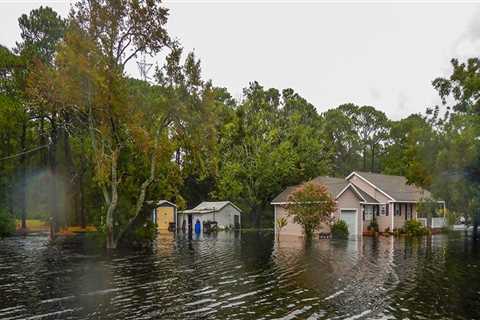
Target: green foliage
(310,205)
(414,228)
(373,226)
(427,208)
(451,218)
(7,223)
(179,137)
(41,30)
(271,142)
(339,229)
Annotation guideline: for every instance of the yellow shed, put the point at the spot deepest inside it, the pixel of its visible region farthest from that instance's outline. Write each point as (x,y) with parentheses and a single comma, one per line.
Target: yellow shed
(165,215)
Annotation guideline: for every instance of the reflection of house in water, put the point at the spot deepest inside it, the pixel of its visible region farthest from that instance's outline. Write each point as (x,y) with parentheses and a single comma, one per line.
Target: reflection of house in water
(224,213)
(364,197)
(352,276)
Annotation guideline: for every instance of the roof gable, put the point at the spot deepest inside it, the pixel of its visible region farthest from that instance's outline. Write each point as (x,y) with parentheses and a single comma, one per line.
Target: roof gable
(395,187)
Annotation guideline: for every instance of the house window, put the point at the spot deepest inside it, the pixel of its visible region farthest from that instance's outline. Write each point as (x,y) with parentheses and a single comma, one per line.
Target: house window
(383,210)
(396,207)
(376,210)
(368,212)
(387,210)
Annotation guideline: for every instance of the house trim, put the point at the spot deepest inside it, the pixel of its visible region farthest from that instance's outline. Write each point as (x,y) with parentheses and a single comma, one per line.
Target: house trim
(354,189)
(371,184)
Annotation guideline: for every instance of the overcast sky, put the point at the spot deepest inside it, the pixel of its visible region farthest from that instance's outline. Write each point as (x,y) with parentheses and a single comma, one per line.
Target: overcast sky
(385,55)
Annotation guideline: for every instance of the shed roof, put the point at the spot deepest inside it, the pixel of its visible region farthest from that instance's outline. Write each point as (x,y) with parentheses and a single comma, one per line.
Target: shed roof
(211,206)
(396,187)
(161,203)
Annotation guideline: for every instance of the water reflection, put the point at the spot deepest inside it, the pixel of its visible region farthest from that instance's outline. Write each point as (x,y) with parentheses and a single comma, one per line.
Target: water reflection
(245,275)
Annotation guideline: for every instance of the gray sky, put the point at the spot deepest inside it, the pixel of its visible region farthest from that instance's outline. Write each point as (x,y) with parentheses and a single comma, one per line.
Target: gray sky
(380,54)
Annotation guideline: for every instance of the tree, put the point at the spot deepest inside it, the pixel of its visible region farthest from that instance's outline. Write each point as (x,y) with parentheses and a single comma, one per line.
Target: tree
(274,141)
(41,31)
(411,150)
(372,126)
(310,205)
(343,142)
(280,223)
(458,159)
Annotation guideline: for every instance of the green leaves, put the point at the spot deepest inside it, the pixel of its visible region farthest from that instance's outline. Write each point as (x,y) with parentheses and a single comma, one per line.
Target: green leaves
(310,205)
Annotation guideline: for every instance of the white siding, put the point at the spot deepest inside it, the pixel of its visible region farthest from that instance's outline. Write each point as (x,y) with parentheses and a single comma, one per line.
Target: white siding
(225,217)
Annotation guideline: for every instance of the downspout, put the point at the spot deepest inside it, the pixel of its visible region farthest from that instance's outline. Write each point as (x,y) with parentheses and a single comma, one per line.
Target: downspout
(392,211)
(275,220)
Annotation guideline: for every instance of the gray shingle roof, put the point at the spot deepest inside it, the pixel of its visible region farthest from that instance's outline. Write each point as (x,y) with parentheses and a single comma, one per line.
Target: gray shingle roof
(366,196)
(334,186)
(395,186)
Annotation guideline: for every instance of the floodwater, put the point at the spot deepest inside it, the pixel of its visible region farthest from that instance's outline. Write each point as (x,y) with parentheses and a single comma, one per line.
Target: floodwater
(242,276)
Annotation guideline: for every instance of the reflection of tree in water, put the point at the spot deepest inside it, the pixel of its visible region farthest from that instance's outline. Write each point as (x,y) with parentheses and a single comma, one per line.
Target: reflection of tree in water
(442,279)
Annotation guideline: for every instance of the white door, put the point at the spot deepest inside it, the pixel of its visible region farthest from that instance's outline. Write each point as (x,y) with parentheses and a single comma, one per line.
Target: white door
(350,218)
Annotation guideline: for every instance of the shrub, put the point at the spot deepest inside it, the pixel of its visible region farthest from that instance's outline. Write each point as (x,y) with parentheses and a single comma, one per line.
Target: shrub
(451,218)
(339,229)
(373,226)
(310,205)
(7,224)
(415,228)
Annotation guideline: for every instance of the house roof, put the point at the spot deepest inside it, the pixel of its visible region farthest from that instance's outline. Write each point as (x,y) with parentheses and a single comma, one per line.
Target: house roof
(161,203)
(366,196)
(396,187)
(333,185)
(210,206)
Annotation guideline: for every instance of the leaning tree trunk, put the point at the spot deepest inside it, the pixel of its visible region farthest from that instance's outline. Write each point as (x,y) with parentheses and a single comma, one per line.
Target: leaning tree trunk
(141,197)
(113,202)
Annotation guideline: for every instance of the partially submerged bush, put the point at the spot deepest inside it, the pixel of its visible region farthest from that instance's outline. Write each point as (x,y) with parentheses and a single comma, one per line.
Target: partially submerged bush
(373,226)
(7,224)
(339,229)
(415,228)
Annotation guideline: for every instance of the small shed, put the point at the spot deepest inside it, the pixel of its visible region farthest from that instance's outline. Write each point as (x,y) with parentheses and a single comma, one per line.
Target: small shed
(164,215)
(225,213)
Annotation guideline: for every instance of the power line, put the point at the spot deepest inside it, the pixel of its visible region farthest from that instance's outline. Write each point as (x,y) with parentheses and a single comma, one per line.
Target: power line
(24,152)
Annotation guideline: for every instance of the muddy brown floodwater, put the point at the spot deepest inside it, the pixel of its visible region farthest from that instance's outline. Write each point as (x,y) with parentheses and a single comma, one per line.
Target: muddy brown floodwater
(242,276)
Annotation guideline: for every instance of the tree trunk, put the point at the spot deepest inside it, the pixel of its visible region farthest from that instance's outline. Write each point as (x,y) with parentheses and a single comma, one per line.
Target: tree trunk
(111,243)
(364,158)
(70,173)
(43,141)
(82,218)
(23,177)
(141,198)
(372,169)
(52,164)
(476,222)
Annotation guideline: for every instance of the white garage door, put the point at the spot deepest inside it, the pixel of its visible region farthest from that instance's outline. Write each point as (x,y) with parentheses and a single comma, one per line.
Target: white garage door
(350,217)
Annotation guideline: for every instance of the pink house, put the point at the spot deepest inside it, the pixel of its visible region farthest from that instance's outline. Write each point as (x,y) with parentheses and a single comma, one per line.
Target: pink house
(362,197)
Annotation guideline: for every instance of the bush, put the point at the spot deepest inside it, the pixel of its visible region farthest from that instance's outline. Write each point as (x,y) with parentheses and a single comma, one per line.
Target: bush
(339,229)
(373,226)
(451,218)
(415,228)
(7,224)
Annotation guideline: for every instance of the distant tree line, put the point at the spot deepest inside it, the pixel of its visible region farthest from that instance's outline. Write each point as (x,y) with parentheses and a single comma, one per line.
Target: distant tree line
(84,143)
